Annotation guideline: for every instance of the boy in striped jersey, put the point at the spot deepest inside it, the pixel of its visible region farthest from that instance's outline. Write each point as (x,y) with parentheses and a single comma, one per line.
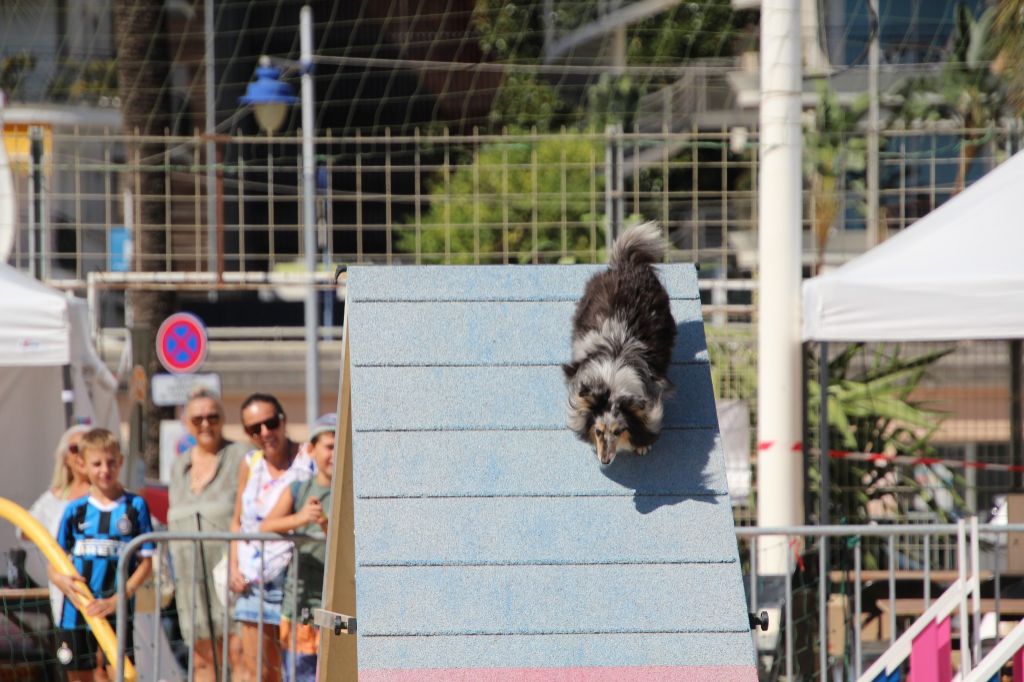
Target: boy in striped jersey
(93,531)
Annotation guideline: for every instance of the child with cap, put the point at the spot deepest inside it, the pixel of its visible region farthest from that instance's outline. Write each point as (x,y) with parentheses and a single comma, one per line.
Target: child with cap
(304,507)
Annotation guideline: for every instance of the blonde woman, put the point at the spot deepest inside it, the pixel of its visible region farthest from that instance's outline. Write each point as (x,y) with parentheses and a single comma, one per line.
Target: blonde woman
(201,497)
(68,483)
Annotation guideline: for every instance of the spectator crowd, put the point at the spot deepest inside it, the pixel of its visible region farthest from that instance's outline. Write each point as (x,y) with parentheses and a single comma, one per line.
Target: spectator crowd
(265,591)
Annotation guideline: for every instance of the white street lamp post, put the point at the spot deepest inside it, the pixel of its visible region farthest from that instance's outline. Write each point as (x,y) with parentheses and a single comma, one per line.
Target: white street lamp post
(270,99)
(309,212)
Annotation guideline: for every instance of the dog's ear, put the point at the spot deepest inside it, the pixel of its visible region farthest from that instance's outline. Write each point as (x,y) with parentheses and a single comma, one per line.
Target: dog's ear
(589,397)
(584,397)
(632,404)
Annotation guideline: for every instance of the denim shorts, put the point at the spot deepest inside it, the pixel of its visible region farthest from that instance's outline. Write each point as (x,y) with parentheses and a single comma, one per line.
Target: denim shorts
(247,605)
(305,666)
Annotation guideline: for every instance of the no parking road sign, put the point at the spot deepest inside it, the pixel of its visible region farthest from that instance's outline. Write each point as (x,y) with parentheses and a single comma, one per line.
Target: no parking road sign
(181,343)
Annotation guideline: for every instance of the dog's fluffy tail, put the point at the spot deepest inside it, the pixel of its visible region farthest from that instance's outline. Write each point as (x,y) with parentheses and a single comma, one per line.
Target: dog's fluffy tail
(640,244)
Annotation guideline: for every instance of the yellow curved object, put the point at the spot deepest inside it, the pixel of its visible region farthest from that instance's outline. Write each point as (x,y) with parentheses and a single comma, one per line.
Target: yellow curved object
(41,538)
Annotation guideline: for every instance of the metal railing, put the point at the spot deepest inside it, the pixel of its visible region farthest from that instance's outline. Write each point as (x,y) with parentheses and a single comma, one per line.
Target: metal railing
(979,550)
(890,662)
(809,543)
(1009,646)
(196,538)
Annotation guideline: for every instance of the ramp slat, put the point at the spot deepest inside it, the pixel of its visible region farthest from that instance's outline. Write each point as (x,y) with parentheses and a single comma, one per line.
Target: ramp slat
(555,651)
(513,530)
(427,398)
(490,333)
(536,600)
(550,462)
(495,283)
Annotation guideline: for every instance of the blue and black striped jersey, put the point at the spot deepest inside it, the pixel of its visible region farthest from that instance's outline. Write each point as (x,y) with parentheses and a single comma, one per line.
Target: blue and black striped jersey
(93,535)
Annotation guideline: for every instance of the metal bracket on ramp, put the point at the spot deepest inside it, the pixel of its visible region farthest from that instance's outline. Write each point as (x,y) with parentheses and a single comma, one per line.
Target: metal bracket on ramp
(759,621)
(338,622)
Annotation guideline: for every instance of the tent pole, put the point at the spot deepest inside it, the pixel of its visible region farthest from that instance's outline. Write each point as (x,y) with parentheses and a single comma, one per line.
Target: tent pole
(825,486)
(1016,412)
(805,428)
(824,447)
(67,396)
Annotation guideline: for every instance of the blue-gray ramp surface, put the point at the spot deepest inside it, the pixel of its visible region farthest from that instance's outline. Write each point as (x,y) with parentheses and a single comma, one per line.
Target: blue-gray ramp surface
(490,545)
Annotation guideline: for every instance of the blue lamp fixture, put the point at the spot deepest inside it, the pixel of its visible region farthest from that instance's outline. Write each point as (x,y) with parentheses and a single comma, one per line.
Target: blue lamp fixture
(269,97)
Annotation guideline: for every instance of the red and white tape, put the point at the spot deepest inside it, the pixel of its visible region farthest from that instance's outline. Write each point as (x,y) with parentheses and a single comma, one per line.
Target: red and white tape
(903,459)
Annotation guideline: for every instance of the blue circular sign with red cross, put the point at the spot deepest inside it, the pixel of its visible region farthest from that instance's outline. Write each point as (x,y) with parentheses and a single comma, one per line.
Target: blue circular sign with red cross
(181,343)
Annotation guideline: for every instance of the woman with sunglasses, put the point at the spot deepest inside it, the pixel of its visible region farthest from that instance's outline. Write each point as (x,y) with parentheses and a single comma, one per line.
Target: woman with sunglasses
(68,483)
(258,569)
(201,497)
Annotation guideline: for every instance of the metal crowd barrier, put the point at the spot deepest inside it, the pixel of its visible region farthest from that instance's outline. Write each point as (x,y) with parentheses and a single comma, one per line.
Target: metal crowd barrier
(968,536)
(196,538)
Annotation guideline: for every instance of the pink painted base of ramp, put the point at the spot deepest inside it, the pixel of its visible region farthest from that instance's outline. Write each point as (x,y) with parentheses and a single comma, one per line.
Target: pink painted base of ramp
(719,673)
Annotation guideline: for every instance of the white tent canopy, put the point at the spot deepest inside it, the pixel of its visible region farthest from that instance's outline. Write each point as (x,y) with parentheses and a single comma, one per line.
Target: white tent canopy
(36,329)
(958,273)
(44,352)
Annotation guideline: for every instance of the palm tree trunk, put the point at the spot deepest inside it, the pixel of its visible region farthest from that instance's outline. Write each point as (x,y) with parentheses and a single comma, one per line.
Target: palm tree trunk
(142,65)
(968,150)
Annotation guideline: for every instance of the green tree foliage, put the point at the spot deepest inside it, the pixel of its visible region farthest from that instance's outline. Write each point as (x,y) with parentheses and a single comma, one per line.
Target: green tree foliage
(527,101)
(835,160)
(86,81)
(871,408)
(513,32)
(688,32)
(13,69)
(969,89)
(733,355)
(1007,36)
(542,200)
(521,202)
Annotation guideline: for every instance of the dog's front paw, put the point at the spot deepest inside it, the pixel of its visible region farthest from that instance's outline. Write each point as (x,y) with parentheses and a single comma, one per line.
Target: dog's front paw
(642,451)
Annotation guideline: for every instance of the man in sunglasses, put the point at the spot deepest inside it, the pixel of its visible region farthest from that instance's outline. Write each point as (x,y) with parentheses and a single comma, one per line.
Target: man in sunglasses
(268,470)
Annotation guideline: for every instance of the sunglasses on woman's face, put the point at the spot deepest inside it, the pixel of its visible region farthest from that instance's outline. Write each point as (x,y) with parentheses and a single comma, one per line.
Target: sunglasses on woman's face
(198,420)
(272,423)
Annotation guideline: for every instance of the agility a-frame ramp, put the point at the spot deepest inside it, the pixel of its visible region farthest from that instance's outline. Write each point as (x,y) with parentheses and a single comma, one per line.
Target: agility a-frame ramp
(489,544)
